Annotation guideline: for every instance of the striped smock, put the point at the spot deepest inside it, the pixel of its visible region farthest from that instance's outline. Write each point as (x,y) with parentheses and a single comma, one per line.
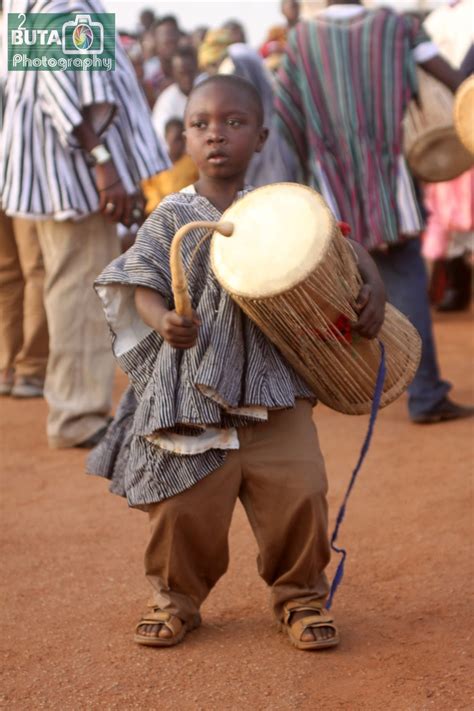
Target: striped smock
(342,92)
(188,402)
(43,170)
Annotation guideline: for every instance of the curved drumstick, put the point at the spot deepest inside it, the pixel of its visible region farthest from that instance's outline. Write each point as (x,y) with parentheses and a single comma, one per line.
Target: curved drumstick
(179,283)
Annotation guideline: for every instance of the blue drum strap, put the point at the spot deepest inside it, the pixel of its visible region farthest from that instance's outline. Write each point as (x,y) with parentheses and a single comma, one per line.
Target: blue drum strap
(365,448)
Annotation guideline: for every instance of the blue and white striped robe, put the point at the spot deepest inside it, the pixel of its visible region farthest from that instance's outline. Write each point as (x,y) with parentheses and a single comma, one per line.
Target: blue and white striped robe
(182,391)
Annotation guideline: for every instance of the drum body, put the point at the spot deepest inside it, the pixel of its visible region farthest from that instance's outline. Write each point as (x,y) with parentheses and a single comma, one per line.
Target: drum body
(431,143)
(464,113)
(293,273)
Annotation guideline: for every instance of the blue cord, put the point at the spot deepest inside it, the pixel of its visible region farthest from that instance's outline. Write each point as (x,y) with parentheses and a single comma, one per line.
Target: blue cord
(365,448)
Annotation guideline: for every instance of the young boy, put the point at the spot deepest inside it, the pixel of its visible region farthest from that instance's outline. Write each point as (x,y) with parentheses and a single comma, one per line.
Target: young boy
(220,414)
(182,173)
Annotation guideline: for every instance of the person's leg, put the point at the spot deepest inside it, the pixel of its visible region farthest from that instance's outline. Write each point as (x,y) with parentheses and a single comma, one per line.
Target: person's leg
(284,494)
(11,303)
(188,548)
(31,361)
(80,370)
(404,274)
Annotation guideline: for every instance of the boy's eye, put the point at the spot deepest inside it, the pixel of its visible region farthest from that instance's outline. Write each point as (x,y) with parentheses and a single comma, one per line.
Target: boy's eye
(198,124)
(234,122)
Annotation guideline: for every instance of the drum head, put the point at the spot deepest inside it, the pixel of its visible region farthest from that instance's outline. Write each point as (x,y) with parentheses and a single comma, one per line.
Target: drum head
(281,234)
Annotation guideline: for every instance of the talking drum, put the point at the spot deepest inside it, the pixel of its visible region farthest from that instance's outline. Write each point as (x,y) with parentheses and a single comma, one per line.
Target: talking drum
(464,113)
(431,144)
(292,272)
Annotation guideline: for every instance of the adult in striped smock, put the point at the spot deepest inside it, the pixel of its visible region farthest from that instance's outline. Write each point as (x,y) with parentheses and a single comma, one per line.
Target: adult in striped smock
(342,91)
(74,148)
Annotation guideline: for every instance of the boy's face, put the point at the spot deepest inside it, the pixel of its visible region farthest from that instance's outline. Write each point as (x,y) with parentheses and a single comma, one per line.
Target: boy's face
(166,41)
(222,131)
(236,33)
(175,142)
(148,44)
(291,10)
(184,70)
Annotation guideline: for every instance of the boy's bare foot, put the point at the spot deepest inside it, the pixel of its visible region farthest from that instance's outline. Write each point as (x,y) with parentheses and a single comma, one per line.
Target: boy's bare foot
(310,625)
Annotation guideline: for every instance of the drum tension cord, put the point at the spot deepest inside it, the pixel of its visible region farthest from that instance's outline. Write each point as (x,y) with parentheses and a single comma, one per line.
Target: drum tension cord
(339,574)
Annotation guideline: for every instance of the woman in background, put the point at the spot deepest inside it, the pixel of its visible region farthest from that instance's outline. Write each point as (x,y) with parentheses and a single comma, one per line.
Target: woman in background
(276,163)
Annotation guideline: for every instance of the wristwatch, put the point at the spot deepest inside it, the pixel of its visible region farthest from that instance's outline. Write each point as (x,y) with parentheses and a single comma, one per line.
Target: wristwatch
(100,154)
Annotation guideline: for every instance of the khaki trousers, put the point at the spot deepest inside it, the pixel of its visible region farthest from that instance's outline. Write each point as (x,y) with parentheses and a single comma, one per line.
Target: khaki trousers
(23,327)
(80,371)
(279,475)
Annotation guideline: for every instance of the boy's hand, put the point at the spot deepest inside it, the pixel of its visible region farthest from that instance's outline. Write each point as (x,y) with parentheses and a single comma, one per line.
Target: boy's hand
(371,299)
(178,331)
(371,309)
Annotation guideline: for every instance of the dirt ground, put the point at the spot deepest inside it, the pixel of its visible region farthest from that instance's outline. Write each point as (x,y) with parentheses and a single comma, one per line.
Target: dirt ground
(73,586)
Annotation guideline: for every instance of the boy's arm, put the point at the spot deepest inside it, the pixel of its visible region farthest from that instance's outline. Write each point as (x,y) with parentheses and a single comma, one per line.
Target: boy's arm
(178,331)
(372,297)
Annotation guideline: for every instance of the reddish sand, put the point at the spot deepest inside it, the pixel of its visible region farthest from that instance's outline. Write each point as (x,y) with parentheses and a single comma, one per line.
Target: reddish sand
(73,585)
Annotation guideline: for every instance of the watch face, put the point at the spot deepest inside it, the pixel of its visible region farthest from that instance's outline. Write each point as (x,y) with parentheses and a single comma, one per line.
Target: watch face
(100,154)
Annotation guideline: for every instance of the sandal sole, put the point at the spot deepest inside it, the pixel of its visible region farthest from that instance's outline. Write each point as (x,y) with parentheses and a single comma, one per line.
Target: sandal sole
(159,641)
(314,646)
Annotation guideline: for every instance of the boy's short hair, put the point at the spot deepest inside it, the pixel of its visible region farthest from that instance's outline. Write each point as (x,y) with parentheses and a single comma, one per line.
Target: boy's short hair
(167,20)
(235,26)
(174,122)
(185,52)
(240,85)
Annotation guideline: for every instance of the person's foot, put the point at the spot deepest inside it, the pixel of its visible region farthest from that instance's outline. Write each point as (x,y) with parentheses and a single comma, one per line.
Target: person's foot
(27,387)
(6,382)
(159,628)
(309,625)
(446,410)
(311,634)
(156,631)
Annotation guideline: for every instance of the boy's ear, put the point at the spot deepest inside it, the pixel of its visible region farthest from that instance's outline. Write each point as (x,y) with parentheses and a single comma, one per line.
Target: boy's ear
(262,137)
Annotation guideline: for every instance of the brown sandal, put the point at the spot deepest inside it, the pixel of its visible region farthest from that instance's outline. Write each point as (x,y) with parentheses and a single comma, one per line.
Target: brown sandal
(177,627)
(318,617)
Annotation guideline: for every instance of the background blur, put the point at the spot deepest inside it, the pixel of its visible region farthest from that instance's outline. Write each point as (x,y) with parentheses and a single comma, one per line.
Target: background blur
(256,15)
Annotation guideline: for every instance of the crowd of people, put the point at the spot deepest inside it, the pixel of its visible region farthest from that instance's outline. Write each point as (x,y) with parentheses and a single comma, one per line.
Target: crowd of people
(167,62)
(321,103)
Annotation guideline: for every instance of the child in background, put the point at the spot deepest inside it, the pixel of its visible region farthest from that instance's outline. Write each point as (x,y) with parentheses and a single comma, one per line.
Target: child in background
(183,172)
(172,101)
(220,413)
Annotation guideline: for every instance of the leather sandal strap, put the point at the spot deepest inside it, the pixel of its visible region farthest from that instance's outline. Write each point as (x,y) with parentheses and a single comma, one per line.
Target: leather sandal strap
(312,607)
(161,617)
(309,622)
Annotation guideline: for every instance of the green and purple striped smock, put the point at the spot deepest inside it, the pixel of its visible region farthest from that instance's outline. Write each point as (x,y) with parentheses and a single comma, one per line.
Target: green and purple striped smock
(341,96)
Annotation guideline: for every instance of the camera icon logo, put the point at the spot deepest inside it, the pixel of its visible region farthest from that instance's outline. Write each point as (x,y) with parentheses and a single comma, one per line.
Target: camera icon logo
(83,36)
